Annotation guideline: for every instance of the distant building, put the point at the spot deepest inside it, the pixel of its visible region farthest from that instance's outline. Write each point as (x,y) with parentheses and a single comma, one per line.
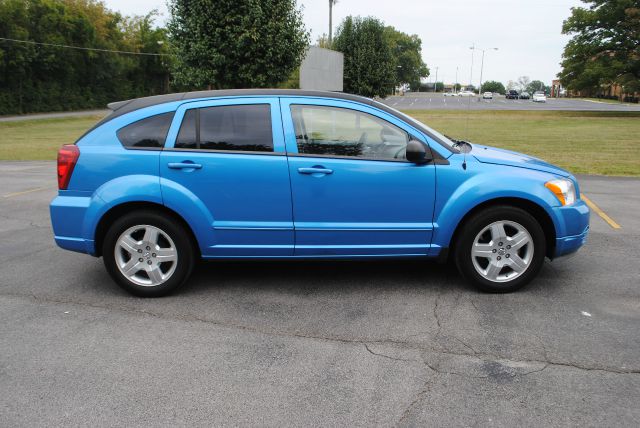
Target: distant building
(613,92)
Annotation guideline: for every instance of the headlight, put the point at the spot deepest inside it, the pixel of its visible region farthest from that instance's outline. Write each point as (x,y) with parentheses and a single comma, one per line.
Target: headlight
(563,189)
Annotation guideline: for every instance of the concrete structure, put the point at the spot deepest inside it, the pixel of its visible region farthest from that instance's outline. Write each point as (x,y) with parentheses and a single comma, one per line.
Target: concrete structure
(322,70)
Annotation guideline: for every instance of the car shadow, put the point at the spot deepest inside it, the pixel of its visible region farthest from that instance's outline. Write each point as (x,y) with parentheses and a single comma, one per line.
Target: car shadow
(322,276)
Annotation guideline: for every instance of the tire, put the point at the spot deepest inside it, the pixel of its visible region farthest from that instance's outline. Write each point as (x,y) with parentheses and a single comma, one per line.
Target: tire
(500,249)
(154,270)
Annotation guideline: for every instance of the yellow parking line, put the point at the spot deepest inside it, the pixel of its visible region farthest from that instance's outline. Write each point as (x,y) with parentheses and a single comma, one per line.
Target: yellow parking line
(601,213)
(24,192)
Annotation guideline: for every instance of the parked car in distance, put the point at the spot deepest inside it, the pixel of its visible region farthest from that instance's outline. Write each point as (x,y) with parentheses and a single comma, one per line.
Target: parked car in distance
(524,95)
(466,93)
(512,94)
(165,181)
(539,97)
(487,96)
(450,94)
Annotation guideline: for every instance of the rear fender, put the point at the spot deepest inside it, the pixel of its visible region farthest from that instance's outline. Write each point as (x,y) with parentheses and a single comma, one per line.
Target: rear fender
(184,202)
(129,188)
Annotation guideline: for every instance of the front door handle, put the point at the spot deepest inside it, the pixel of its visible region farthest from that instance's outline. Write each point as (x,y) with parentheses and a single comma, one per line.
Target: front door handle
(184,165)
(315,170)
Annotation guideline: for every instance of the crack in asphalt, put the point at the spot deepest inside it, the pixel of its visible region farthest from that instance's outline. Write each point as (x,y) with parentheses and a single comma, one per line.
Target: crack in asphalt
(359,341)
(377,354)
(439,324)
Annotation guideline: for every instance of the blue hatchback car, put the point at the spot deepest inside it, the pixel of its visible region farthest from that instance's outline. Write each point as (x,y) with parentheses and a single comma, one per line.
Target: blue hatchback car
(164,181)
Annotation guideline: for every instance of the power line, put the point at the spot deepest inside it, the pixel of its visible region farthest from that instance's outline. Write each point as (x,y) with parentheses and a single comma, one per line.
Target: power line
(82,48)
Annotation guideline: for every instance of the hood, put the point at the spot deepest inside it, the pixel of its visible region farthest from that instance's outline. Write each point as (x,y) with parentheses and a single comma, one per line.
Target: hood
(486,154)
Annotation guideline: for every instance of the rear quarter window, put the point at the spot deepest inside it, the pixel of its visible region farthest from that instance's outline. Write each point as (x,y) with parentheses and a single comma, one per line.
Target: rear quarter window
(150,132)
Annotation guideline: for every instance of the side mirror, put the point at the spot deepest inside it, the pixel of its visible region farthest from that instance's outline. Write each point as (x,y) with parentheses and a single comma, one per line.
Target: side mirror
(418,153)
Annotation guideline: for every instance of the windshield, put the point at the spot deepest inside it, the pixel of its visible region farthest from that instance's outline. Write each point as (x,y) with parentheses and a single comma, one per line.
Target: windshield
(451,145)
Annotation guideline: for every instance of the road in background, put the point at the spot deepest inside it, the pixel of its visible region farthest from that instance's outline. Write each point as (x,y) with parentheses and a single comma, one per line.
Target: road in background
(391,343)
(421,101)
(437,101)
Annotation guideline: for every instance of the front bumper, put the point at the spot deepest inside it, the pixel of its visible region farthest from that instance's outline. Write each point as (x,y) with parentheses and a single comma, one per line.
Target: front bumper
(574,228)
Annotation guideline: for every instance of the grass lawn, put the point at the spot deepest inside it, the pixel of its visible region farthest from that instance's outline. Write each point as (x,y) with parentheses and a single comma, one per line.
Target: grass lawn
(606,143)
(40,139)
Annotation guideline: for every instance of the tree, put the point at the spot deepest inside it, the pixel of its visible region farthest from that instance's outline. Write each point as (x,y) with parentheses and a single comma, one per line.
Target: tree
(605,47)
(323,41)
(535,85)
(369,65)
(44,75)
(523,82)
(236,43)
(407,52)
(493,86)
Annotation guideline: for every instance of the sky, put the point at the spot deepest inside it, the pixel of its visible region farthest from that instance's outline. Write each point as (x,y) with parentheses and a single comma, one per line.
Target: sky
(527,33)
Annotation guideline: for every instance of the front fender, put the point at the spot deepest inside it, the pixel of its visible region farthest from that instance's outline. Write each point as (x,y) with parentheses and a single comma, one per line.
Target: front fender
(459,193)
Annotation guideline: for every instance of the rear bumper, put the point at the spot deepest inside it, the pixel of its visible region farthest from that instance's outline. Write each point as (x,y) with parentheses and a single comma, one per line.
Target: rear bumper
(67,219)
(575,224)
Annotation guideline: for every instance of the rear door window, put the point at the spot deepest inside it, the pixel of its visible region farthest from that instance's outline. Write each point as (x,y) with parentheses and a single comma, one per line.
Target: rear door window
(245,128)
(146,133)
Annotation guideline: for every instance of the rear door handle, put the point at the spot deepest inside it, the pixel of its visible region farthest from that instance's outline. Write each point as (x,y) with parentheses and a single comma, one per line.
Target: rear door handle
(315,170)
(184,165)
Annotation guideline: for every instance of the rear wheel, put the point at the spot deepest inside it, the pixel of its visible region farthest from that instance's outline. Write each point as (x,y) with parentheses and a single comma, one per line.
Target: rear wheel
(148,254)
(500,249)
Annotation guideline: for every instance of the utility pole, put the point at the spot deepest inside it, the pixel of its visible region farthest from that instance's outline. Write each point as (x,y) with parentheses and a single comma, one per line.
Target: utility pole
(331,3)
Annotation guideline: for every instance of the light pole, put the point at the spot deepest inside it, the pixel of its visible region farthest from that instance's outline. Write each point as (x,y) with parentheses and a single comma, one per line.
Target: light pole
(481,63)
(473,49)
(435,84)
(331,3)
(455,84)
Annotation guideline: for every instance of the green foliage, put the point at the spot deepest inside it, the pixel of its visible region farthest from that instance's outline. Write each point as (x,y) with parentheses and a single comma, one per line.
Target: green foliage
(323,42)
(407,53)
(535,85)
(236,43)
(46,78)
(605,47)
(369,64)
(493,86)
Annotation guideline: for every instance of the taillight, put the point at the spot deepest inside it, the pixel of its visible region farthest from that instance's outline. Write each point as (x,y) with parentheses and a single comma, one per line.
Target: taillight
(67,158)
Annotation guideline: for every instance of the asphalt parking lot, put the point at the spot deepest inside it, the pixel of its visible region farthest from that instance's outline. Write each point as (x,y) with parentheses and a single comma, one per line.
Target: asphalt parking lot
(400,343)
(437,101)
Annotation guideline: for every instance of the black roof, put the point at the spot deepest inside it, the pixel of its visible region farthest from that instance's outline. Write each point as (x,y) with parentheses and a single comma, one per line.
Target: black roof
(122,107)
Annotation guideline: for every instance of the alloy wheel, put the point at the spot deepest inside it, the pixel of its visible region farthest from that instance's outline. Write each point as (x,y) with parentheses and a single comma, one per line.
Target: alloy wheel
(502,251)
(146,255)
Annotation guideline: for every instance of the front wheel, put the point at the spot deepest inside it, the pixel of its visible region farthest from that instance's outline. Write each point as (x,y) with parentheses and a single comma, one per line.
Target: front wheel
(500,249)
(148,254)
